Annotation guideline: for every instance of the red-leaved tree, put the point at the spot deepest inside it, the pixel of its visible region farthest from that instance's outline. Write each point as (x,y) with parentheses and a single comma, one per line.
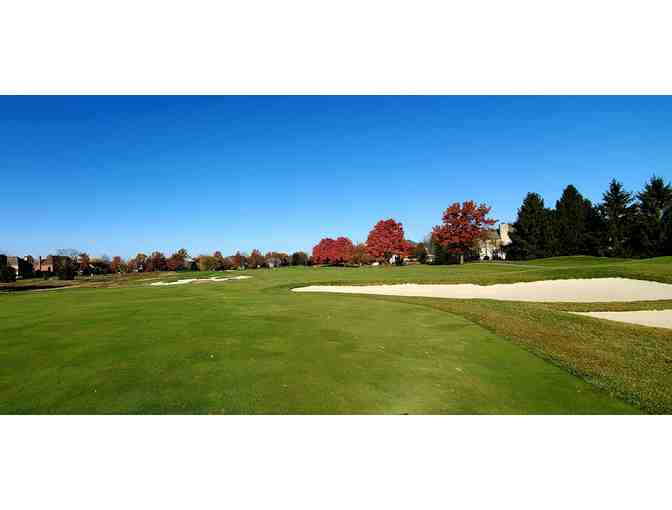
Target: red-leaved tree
(462,226)
(387,239)
(333,251)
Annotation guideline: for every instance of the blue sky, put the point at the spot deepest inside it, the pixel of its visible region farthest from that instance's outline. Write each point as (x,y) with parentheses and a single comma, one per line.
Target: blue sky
(118,175)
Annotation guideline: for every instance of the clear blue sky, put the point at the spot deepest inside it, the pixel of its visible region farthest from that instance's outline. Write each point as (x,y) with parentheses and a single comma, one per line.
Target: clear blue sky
(118,175)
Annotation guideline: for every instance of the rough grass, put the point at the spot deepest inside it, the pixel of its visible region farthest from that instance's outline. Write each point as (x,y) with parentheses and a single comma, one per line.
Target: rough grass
(251,346)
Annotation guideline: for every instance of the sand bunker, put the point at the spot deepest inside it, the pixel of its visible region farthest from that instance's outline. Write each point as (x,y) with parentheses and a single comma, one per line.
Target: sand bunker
(654,318)
(593,290)
(199,280)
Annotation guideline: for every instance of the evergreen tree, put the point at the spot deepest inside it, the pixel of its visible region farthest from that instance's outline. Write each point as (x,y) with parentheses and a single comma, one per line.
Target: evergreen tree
(655,201)
(578,224)
(616,213)
(667,232)
(533,233)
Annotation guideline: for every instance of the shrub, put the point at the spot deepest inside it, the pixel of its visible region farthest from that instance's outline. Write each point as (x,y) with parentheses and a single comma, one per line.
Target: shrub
(299,258)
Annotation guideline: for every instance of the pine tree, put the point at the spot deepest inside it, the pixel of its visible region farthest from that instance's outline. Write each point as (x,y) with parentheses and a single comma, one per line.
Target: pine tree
(616,213)
(532,235)
(655,201)
(578,226)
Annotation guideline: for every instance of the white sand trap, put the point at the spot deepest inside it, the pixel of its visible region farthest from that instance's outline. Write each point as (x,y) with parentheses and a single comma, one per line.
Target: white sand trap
(593,290)
(199,280)
(654,318)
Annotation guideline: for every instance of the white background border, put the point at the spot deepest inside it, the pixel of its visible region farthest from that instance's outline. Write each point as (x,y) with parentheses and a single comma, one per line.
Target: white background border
(310,47)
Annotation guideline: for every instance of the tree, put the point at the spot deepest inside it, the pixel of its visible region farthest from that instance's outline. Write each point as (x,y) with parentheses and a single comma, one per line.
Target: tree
(7,274)
(571,221)
(221,261)
(385,240)
(276,259)
(667,231)
(65,268)
(256,259)
(420,252)
(333,251)
(207,263)
(156,262)
(228,263)
(616,212)
(532,234)
(360,255)
(138,262)
(177,260)
(66,263)
(462,226)
(299,258)
(654,203)
(239,260)
(117,265)
(84,263)
(580,229)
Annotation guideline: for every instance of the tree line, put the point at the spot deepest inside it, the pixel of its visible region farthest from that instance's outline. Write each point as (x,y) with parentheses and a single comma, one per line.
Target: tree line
(463,225)
(623,224)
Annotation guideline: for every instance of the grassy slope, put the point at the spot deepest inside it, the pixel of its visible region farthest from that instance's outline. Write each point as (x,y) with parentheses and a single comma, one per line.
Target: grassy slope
(251,346)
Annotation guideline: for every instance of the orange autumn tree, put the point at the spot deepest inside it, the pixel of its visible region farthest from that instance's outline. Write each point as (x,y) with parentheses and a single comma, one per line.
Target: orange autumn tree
(462,226)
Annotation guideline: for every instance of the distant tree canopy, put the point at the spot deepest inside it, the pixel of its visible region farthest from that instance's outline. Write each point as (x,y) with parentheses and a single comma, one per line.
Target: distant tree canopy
(622,225)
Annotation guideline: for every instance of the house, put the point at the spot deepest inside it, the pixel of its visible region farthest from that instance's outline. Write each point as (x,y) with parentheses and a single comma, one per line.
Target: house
(491,245)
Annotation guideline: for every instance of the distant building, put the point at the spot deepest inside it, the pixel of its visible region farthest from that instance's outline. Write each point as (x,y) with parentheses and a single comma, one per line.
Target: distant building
(22,267)
(491,245)
(48,264)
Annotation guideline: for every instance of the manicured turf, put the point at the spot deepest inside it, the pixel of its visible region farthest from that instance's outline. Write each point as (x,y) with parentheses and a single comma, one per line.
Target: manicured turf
(251,346)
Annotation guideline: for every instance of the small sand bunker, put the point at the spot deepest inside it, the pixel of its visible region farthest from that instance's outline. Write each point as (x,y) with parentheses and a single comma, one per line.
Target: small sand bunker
(199,280)
(654,318)
(593,290)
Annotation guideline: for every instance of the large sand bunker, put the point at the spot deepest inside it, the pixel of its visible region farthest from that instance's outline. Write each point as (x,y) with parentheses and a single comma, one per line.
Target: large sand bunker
(199,280)
(593,290)
(654,318)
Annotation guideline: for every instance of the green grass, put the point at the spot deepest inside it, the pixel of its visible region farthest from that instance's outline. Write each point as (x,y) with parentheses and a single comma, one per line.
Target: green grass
(116,345)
